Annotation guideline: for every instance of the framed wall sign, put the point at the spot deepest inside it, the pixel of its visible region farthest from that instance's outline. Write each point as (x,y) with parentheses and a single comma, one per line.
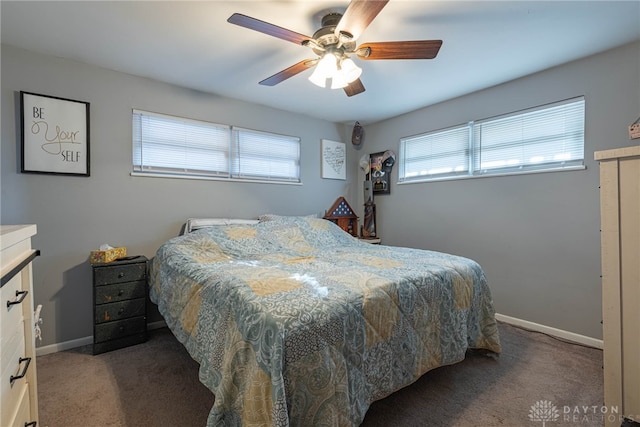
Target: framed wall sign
(334,160)
(379,174)
(55,135)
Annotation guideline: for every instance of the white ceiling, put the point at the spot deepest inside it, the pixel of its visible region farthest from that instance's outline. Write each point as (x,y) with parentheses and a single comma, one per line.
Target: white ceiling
(191,44)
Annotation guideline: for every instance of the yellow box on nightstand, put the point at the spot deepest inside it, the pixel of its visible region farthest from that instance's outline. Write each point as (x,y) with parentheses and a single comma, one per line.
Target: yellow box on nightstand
(101,257)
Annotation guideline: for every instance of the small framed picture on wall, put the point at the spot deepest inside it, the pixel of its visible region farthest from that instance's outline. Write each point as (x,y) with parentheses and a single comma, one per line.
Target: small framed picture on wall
(334,159)
(378,174)
(55,135)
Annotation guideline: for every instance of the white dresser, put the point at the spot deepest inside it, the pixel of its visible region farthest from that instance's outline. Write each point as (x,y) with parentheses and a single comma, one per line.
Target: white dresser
(620,224)
(18,385)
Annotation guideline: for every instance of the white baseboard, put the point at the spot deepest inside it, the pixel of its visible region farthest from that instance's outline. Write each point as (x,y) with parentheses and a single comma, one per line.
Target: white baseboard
(566,335)
(62,346)
(68,345)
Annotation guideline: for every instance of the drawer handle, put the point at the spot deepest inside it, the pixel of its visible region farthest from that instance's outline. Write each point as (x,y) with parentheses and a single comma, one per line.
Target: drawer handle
(121,310)
(31,424)
(120,292)
(24,371)
(20,296)
(120,275)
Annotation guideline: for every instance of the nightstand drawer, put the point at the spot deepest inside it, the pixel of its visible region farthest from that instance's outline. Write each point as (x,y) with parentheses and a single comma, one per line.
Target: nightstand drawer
(119,274)
(119,329)
(120,291)
(115,344)
(120,310)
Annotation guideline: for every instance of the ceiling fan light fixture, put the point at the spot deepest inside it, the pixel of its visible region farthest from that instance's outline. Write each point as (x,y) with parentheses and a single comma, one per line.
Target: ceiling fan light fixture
(335,41)
(347,72)
(317,79)
(338,81)
(326,69)
(350,70)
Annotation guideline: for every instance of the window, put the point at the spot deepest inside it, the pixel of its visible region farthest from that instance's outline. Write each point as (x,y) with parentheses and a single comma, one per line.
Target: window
(175,146)
(442,153)
(550,137)
(260,155)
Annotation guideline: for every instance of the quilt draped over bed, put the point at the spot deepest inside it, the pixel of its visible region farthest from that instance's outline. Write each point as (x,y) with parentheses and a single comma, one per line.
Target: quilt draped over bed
(295,322)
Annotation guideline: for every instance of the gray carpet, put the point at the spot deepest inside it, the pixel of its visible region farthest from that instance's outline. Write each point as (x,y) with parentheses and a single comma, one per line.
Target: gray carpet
(156,384)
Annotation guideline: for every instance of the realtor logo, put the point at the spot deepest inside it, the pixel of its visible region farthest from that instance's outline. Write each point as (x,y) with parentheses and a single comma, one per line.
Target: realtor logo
(544,411)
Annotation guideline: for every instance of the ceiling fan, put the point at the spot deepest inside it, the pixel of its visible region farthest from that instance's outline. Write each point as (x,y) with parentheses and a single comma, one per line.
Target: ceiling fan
(335,42)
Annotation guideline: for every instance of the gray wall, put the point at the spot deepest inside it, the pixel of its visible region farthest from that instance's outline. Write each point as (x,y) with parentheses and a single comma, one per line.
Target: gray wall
(537,236)
(77,214)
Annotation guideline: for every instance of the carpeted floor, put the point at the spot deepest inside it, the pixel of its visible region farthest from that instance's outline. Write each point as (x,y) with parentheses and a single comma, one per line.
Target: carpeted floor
(155,384)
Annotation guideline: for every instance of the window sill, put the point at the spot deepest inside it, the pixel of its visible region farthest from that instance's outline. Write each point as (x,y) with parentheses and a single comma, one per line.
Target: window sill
(210,178)
(493,175)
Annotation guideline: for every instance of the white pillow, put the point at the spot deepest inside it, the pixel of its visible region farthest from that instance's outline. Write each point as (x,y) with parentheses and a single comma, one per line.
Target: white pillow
(272,217)
(193,224)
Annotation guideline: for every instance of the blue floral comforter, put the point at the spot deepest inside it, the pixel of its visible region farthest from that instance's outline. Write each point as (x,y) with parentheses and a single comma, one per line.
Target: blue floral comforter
(295,322)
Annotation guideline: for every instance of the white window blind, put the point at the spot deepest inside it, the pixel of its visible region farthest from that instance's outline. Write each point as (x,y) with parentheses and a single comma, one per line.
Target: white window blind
(549,137)
(167,144)
(261,155)
(175,146)
(438,154)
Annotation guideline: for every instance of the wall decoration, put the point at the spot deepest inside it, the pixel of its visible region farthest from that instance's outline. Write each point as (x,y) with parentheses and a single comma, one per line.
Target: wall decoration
(634,129)
(379,174)
(356,134)
(341,214)
(334,159)
(369,227)
(55,135)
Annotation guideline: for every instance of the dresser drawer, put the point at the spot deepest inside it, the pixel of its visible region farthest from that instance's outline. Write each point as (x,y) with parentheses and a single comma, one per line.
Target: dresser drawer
(11,317)
(23,416)
(12,392)
(120,310)
(119,274)
(119,329)
(9,345)
(120,292)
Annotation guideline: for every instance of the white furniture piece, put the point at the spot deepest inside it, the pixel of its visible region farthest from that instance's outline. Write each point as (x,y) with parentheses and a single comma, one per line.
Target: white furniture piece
(620,218)
(18,386)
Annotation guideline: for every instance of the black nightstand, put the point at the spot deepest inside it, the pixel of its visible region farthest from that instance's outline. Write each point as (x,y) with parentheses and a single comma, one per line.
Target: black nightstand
(120,304)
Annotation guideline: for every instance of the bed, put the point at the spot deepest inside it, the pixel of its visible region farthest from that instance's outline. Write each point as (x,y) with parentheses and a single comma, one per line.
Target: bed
(296,323)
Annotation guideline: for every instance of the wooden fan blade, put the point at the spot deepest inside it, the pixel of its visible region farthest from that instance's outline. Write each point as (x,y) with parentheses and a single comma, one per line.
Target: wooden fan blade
(354,88)
(267,28)
(289,72)
(418,49)
(358,16)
